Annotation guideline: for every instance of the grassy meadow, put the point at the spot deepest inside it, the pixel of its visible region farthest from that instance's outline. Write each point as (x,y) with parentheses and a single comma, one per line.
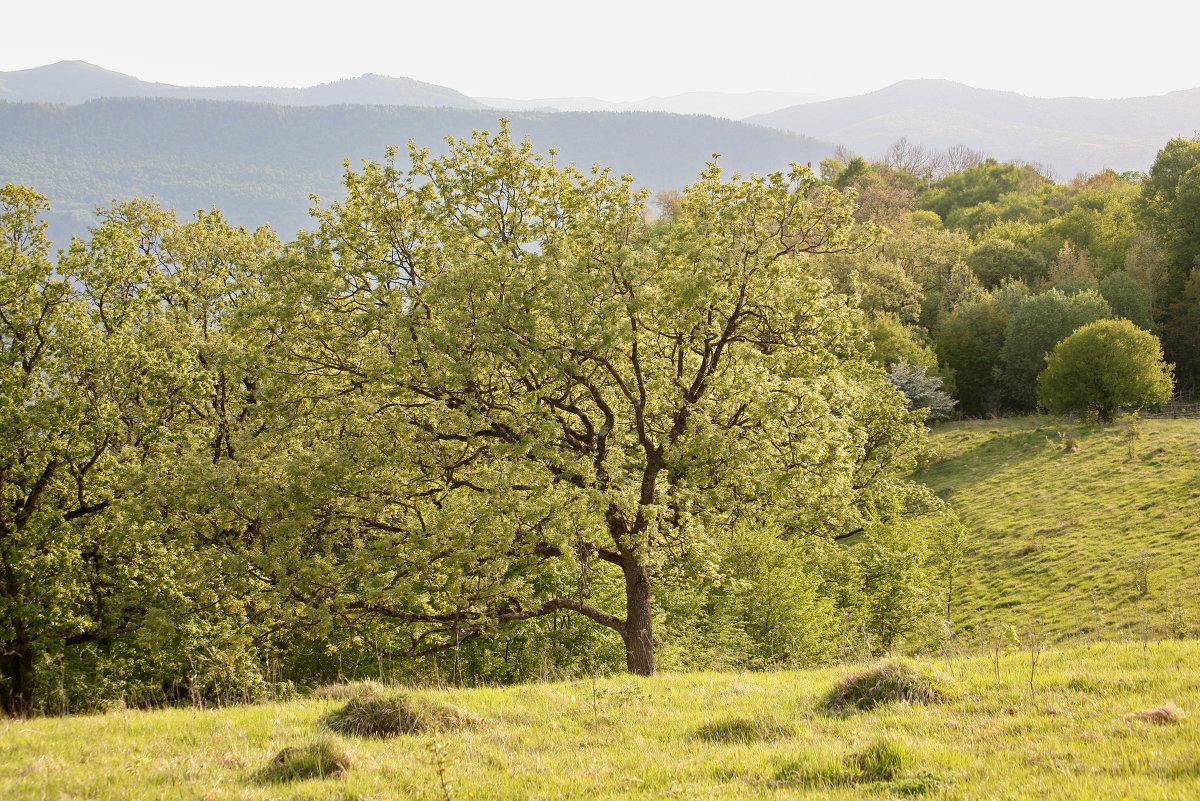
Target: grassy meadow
(758,735)
(1075,530)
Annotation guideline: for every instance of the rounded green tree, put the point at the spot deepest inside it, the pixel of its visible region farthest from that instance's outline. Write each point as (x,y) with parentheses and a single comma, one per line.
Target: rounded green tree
(1105,366)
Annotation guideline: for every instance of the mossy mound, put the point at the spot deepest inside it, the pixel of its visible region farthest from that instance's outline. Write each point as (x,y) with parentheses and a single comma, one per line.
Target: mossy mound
(390,715)
(322,758)
(888,682)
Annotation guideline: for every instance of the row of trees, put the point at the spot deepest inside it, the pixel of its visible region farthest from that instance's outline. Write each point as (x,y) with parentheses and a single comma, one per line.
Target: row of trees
(483,390)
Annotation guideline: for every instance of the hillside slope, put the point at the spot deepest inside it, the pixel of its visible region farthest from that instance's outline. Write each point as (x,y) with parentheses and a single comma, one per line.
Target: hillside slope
(259,163)
(1070,134)
(1098,538)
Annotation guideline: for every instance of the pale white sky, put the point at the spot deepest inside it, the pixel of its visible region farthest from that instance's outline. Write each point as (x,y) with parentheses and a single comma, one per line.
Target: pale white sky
(625,49)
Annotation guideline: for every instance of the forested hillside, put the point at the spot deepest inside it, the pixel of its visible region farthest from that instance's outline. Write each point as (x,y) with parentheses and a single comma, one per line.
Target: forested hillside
(259,163)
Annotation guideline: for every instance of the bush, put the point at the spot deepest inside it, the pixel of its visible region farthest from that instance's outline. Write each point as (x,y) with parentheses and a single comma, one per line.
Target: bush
(897,680)
(1103,367)
(323,757)
(387,716)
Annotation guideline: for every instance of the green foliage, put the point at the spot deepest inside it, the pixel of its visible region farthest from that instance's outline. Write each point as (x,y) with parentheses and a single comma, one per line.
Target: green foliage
(560,383)
(986,183)
(891,341)
(995,260)
(1103,367)
(1128,299)
(969,343)
(1038,324)
(882,286)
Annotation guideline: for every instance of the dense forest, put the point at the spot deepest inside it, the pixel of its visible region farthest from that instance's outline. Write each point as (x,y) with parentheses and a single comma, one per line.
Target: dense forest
(489,419)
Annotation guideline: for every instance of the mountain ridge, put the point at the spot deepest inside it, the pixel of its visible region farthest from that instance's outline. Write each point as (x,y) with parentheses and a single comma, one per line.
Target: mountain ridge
(75,82)
(1071,134)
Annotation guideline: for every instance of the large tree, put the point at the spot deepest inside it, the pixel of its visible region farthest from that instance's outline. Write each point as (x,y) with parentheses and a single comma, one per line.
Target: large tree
(511,380)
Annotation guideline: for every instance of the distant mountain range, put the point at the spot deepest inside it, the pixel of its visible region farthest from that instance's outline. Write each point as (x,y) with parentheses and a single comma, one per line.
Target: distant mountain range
(259,163)
(260,158)
(78,81)
(732,105)
(1069,134)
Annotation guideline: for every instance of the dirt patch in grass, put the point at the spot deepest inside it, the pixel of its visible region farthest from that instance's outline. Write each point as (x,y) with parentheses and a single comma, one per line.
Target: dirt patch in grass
(1164,715)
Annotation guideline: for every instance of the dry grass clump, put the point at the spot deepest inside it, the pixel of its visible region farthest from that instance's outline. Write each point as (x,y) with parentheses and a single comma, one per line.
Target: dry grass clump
(1162,715)
(323,757)
(896,680)
(389,715)
(744,730)
(348,689)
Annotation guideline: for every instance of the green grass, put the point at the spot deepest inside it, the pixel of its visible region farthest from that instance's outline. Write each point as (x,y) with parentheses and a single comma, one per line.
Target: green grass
(1099,540)
(646,739)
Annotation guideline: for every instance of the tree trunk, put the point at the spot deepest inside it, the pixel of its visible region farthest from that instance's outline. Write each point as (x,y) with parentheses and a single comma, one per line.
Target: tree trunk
(16,679)
(639,628)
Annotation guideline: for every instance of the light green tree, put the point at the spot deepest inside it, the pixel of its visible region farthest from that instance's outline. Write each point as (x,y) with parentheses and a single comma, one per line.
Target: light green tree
(1103,367)
(512,386)
(100,386)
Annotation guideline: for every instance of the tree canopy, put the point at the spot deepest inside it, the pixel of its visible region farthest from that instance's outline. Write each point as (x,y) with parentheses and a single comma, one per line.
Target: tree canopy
(1105,366)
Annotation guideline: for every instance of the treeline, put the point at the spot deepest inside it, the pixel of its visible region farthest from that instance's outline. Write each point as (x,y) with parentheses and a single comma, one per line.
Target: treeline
(485,423)
(989,265)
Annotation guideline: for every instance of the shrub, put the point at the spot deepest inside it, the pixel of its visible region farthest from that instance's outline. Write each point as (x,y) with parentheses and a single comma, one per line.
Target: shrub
(323,757)
(897,680)
(386,716)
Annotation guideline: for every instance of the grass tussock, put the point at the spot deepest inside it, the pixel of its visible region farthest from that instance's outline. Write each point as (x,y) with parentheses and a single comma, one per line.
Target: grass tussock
(884,760)
(390,715)
(898,680)
(881,761)
(1164,715)
(744,730)
(322,758)
(346,690)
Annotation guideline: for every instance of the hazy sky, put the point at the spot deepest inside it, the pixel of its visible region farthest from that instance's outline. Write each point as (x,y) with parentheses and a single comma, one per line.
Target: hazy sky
(625,49)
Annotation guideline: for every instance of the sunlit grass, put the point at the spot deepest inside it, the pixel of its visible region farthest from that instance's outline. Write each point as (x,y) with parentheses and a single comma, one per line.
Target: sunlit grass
(1076,530)
(711,736)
